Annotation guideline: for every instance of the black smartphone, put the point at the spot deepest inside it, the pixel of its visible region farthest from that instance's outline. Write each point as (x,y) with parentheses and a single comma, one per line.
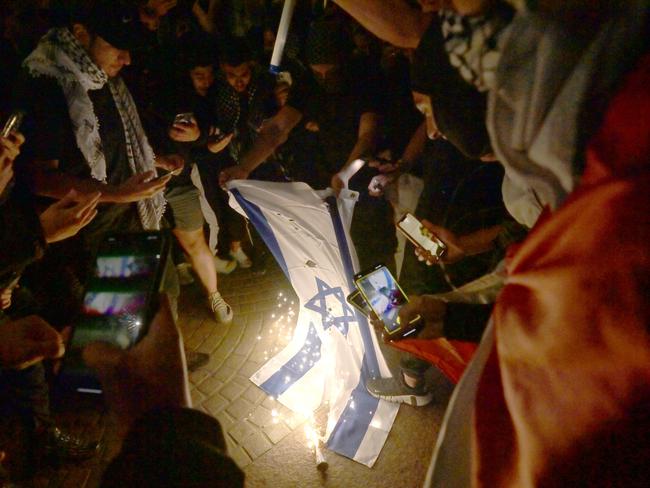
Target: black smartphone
(357,301)
(119,303)
(12,124)
(385,298)
(184,118)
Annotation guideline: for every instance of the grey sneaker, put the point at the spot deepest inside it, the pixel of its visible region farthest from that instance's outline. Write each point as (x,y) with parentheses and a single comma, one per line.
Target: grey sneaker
(222,311)
(224,266)
(395,390)
(195,360)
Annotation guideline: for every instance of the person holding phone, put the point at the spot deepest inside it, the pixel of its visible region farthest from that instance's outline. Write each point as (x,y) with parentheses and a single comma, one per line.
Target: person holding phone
(27,339)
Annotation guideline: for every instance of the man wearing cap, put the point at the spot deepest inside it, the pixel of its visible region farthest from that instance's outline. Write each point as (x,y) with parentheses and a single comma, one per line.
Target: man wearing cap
(85,135)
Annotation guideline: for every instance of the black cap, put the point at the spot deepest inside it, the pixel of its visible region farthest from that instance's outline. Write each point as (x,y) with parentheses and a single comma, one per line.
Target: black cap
(117,23)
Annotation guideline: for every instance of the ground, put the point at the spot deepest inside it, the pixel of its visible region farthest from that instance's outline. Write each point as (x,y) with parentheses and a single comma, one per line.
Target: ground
(267,440)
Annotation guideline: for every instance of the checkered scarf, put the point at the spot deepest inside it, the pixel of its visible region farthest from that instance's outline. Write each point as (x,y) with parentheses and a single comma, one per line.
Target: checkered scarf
(60,56)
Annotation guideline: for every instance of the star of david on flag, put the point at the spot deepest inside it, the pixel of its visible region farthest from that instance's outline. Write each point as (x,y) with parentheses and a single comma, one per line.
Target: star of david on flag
(333,350)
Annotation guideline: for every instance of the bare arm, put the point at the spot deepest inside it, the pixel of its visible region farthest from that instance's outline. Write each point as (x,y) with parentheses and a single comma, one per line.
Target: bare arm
(394,21)
(47,180)
(415,147)
(366,144)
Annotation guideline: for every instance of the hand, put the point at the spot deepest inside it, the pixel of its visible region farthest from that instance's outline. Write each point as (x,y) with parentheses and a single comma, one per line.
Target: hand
(379,183)
(5,297)
(9,150)
(187,132)
(173,163)
(232,173)
(338,183)
(431,311)
(216,144)
(152,374)
(455,249)
(68,216)
(28,341)
(139,187)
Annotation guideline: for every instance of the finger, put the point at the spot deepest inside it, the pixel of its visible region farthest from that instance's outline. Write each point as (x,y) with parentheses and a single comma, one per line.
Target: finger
(87,204)
(158,184)
(86,219)
(17,138)
(144,177)
(408,313)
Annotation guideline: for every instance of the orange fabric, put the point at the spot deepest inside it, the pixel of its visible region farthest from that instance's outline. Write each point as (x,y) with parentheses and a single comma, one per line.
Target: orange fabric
(451,357)
(565,398)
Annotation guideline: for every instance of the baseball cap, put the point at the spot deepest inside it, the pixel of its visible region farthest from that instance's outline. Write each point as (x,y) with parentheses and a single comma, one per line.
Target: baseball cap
(117,23)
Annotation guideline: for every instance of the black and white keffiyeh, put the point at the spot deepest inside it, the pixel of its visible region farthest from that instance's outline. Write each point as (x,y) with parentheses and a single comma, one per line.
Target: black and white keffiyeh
(60,56)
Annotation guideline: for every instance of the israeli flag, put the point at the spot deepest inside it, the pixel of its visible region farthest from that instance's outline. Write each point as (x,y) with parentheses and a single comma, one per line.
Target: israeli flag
(333,350)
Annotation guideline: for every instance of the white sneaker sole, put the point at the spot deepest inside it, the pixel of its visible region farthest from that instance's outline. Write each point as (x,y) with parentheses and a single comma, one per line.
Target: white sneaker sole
(413,400)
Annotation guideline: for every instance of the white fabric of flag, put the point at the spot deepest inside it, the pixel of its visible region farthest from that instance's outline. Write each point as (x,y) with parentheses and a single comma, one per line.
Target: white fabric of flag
(333,350)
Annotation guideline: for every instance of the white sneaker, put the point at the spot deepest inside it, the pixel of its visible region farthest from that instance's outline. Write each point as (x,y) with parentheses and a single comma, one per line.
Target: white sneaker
(242,259)
(185,274)
(224,266)
(222,311)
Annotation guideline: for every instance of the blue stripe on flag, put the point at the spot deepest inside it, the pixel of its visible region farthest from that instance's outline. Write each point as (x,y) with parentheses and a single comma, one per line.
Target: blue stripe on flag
(262,225)
(296,367)
(351,428)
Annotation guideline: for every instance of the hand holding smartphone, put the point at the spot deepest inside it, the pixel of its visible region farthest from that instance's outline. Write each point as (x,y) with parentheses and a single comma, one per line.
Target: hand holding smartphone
(422,237)
(119,303)
(13,123)
(385,298)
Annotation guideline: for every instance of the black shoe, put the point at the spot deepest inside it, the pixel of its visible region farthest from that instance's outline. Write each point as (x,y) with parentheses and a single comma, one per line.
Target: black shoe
(66,447)
(196,359)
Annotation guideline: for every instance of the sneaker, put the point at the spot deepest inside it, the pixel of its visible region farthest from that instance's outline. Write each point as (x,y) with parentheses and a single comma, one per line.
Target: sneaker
(395,390)
(66,447)
(222,311)
(224,266)
(195,360)
(242,259)
(185,274)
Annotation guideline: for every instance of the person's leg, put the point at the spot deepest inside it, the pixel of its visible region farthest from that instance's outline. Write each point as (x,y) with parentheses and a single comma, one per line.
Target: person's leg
(196,249)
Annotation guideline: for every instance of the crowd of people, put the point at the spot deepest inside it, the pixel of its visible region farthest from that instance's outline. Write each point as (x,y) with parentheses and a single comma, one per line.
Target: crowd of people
(527,123)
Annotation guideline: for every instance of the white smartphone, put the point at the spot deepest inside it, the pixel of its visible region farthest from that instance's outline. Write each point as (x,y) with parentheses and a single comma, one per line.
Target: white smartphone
(420,236)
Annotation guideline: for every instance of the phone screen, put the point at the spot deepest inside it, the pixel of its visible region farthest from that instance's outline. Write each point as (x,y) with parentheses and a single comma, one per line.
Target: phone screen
(384,296)
(119,301)
(420,236)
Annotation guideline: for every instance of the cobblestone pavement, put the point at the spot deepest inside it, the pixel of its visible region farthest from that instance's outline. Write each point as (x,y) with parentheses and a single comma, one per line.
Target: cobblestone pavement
(266,439)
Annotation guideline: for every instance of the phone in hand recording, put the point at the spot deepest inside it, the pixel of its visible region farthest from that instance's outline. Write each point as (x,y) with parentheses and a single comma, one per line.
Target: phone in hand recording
(385,297)
(13,123)
(119,303)
(420,236)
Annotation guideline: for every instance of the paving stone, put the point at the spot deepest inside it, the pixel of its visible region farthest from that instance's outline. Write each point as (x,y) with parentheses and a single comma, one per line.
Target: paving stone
(211,342)
(197,397)
(249,369)
(240,457)
(194,342)
(225,420)
(270,403)
(242,380)
(235,361)
(294,420)
(256,445)
(241,430)
(229,342)
(276,432)
(240,408)
(254,394)
(261,417)
(224,374)
(210,386)
(198,376)
(215,404)
(232,390)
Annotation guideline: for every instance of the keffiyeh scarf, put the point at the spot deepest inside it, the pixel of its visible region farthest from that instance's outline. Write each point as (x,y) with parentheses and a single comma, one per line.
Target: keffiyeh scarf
(60,56)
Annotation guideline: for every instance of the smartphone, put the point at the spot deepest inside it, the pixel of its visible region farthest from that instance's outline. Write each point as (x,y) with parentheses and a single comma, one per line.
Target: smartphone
(385,297)
(13,123)
(420,236)
(184,118)
(357,301)
(119,303)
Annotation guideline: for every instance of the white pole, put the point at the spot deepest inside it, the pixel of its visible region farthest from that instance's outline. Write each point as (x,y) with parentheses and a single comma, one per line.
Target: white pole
(281,36)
